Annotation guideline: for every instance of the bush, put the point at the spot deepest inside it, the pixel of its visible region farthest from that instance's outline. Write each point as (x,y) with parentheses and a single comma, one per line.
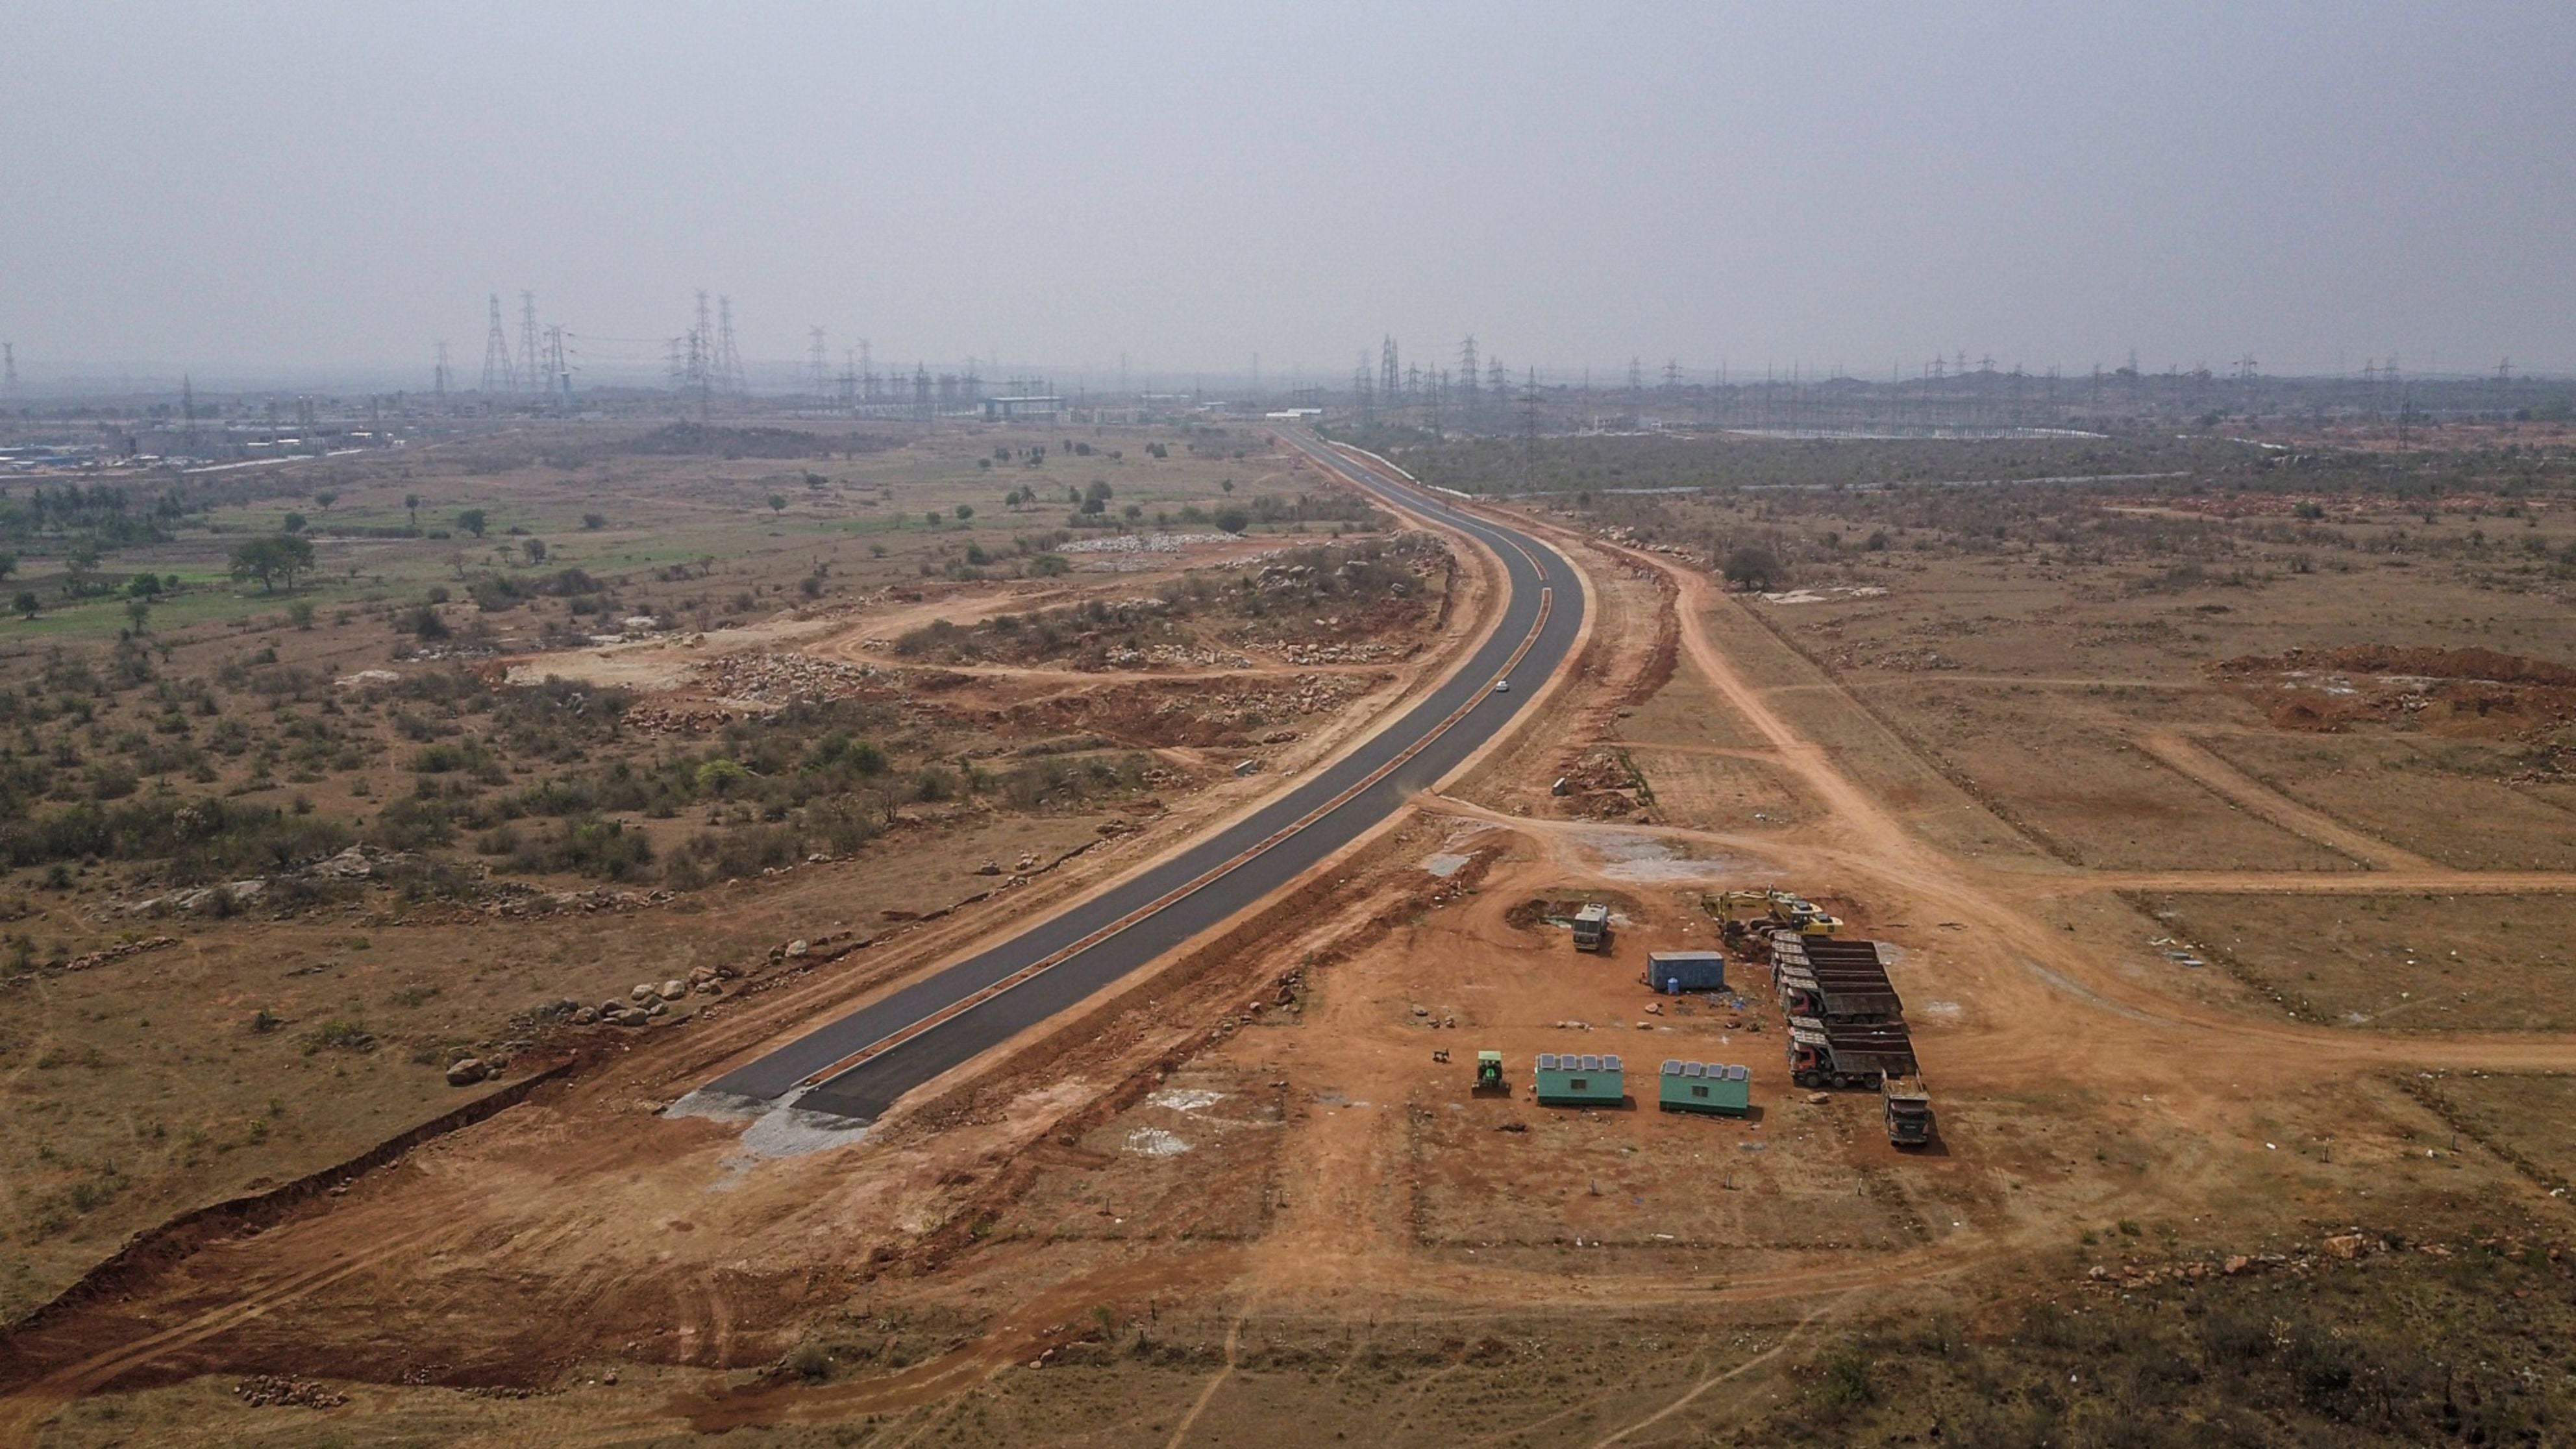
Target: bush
(1753,567)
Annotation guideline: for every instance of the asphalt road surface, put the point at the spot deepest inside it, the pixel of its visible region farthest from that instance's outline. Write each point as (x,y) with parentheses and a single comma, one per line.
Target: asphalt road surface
(860,1063)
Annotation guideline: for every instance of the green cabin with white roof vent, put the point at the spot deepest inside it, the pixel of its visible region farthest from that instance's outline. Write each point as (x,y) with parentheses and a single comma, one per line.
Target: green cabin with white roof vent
(1568,1080)
(1726,1091)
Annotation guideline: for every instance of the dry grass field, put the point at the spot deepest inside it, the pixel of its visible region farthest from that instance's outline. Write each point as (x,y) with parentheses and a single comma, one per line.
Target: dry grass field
(2217,816)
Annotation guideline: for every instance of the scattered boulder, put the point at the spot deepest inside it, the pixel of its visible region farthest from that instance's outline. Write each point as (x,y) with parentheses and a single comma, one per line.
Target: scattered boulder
(674,989)
(990,867)
(644,991)
(584,1016)
(268,1391)
(798,947)
(466,1071)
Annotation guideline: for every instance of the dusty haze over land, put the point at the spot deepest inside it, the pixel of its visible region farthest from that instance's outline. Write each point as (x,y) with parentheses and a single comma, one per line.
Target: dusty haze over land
(256,191)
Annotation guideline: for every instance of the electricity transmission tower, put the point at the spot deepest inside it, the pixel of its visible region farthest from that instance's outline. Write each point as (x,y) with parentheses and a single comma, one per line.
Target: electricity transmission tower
(558,371)
(438,377)
(729,371)
(817,355)
(1467,400)
(499,373)
(9,368)
(534,375)
(1390,382)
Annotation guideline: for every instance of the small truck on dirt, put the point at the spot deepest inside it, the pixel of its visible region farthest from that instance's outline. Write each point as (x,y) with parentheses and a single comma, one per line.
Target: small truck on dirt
(1592,927)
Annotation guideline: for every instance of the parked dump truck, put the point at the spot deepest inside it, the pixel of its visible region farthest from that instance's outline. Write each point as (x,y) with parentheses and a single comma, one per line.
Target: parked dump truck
(1791,946)
(1832,980)
(1592,927)
(1840,994)
(1909,1109)
(1848,1053)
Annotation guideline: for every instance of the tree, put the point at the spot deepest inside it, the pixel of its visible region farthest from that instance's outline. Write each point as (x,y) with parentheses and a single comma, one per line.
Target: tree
(324,501)
(1225,485)
(777,503)
(534,548)
(411,505)
(293,523)
(471,520)
(1233,520)
(931,516)
(80,570)
(26,603)
(1752,567)
(143,586)
(965,511)
(271,560)
(8,564)
(594,520)
(136,611)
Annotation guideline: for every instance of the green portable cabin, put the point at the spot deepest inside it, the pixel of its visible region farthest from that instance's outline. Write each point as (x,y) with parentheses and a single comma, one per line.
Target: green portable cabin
(1706,1087)
(1674,972)
(1568,1080)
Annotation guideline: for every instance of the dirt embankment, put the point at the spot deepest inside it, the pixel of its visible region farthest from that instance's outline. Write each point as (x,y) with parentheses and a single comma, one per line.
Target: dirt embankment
(2472,693)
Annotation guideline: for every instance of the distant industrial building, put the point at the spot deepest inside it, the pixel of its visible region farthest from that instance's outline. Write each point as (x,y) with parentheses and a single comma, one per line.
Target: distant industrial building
(1006,409)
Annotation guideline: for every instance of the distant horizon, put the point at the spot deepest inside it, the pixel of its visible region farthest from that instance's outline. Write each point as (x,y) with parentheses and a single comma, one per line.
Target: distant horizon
(1190,185)
(776,378)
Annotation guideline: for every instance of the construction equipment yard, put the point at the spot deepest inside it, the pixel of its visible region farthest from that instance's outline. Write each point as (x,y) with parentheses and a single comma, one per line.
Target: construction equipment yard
(1262,1174)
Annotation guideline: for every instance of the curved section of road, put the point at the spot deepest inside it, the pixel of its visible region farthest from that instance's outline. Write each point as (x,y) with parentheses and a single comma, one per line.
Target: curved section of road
(857,1065)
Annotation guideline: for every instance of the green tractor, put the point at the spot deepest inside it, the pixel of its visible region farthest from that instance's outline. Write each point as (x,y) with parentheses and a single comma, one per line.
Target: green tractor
(1489,1074)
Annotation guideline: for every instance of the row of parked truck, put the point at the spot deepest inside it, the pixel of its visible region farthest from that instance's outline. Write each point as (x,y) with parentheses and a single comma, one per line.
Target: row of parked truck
(1847,1027)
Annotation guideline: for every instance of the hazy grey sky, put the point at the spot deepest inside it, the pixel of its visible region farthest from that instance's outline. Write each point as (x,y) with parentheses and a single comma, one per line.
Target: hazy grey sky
(234,187)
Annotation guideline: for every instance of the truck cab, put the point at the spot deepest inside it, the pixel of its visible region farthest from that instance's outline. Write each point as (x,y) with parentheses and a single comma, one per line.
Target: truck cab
(1909,1110)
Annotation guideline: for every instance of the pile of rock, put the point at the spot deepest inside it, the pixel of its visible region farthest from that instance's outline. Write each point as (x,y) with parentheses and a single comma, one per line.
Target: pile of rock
(231,896)
(88,959)
(1363,652)
(518,903)
(774,679)
(1144,542)
(268,1391)
(466,1071)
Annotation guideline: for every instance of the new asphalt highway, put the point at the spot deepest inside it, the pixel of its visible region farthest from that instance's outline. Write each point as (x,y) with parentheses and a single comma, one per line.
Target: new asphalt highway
(857,1065)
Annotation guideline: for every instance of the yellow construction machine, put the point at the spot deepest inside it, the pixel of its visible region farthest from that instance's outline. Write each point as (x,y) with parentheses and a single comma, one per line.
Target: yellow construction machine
(1783,909)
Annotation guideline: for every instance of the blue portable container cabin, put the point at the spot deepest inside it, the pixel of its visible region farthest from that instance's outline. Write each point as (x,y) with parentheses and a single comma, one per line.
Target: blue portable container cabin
(1568,1080)
(1726,1091)
(1674,972)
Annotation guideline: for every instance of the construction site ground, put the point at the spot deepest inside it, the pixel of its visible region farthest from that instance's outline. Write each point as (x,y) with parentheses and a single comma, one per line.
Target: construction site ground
(1241,1202)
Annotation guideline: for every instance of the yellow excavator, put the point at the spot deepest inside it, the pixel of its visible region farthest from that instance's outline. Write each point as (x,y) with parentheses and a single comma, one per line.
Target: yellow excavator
(1783,909)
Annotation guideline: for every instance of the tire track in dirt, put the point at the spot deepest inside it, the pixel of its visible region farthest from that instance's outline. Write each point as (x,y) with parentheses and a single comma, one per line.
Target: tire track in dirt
(2189,758)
